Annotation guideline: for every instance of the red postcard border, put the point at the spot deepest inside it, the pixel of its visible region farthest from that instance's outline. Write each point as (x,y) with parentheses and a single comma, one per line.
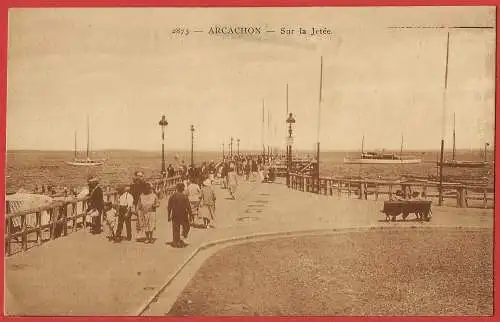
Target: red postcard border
(5,5)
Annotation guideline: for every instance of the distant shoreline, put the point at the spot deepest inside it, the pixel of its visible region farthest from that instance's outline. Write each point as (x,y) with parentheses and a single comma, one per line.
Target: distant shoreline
(256,151)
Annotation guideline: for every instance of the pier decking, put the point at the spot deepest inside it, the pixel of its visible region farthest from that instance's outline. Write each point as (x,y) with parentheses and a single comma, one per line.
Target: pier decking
(84,274)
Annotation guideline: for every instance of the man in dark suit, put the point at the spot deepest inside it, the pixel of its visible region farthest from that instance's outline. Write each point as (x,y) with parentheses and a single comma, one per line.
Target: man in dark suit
(95,204)
(179,211)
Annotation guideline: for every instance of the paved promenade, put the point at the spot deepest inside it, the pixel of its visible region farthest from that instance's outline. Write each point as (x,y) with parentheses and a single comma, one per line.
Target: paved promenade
(82,274)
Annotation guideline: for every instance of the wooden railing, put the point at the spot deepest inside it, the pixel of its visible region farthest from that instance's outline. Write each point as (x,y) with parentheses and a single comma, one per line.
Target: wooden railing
(458,195)
(63,217)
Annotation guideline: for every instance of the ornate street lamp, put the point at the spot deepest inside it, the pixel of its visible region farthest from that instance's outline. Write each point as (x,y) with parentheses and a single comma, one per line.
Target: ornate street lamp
(238,142)
(290,120)
(163,123)
(223,151)
(192,145)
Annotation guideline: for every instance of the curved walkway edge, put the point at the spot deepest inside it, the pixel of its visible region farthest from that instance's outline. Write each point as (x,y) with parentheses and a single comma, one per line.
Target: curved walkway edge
(227,242)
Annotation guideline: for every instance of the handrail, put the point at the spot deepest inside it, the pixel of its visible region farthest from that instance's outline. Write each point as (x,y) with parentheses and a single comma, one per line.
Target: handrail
(463,193)
(59,212)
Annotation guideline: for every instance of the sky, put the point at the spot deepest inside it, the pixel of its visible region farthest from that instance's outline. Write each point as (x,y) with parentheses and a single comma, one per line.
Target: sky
(124,69)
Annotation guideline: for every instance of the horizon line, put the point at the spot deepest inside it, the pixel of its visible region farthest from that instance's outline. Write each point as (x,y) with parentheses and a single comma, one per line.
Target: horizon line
(249,150)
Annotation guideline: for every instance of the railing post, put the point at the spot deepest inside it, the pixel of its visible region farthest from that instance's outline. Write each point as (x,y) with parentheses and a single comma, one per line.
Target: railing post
(424,191)
(39,236)
(466,203)
(390,191)
(24,235)
(376,190)
(65,219)
(349,188)
(330,181)
(485,200)
(84,215)
(339,188)
(53,218)
(8,243)
(74,211)
(361,190)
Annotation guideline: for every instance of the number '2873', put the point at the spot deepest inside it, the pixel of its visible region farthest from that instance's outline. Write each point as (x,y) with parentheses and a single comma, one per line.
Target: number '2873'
(180,31)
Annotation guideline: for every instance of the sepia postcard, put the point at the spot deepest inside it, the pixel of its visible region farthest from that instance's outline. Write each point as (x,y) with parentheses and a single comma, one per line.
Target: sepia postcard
(312,161)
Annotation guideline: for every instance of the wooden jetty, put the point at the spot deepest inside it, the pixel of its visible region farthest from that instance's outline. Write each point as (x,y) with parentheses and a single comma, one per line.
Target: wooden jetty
(83,274)
(464,195)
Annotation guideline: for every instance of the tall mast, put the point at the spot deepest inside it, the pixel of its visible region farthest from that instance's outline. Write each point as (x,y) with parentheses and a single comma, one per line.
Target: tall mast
(75,144)
(88,137)
(286,115)
(320,98)
(454,149)
(319,123)
(262,134)
(269,136)
(440,202)
(401,151)
(363,145)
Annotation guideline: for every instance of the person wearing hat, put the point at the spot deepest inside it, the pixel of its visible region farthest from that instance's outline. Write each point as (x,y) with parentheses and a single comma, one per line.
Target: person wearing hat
(207,204)
(95,204)
(136,188)
(179,211)
(125,205)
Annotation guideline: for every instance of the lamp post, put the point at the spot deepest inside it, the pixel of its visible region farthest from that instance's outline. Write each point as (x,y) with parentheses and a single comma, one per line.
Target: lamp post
(163,123)
(231,148)
(238,144)
(192,144)
(290,120)
(223,151)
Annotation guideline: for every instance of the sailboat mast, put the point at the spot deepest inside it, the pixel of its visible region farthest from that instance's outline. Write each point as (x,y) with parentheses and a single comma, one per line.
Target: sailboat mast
(319,123)
(262,134)
(75,144)
(363,145)
(401,151)
(454,149)
(440,202)
(88,137)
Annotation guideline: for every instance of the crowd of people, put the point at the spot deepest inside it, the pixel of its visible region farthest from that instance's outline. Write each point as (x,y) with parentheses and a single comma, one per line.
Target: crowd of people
(192,204)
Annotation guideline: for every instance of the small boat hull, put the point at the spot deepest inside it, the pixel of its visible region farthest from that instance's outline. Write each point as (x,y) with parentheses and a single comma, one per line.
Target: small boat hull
(381,161)
(85,163)
(464,164)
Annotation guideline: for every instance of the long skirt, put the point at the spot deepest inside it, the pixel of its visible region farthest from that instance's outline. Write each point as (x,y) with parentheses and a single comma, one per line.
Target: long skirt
(208,212)
(147,221)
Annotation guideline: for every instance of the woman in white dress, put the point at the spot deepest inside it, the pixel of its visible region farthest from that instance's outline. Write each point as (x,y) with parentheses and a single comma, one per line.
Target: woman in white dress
(148,202)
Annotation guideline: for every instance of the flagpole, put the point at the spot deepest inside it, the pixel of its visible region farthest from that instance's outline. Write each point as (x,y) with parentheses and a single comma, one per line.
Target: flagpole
(262,134)
(318,126)
(444,117)
(286,115)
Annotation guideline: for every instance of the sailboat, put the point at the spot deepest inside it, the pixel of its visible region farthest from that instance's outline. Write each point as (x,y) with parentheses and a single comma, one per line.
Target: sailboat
(463,163)
(88,162)
(381,158)
(456,163)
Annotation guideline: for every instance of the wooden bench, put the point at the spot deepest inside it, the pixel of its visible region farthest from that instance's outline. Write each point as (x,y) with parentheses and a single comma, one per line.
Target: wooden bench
(421,209)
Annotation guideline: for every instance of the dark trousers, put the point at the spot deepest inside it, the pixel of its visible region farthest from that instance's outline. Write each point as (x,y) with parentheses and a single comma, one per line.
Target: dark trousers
(176,227)
(96,224)
(124,215)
